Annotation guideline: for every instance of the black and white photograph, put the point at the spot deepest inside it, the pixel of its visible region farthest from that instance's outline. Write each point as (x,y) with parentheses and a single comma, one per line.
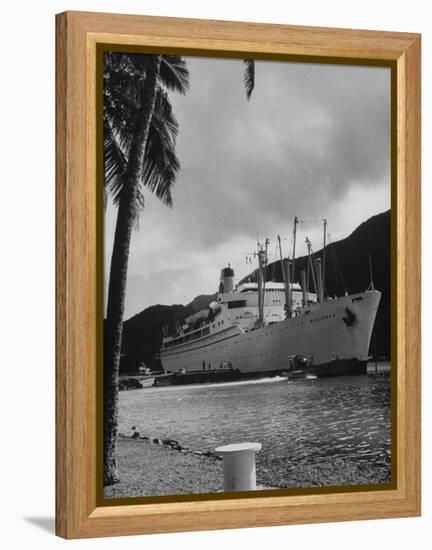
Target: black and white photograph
(247,275)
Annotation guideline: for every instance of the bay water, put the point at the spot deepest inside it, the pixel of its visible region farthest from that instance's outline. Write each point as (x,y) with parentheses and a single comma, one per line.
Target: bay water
(298,422)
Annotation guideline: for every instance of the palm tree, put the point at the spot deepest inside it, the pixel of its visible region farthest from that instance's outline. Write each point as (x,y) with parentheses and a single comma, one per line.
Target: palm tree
(139,148)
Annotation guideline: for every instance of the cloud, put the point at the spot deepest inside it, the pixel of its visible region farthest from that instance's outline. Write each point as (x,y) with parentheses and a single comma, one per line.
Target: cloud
(313,141)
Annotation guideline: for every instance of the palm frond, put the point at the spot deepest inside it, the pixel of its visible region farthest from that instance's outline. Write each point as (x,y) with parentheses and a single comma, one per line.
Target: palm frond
(140,61)
(249,76)
(122,121)
(115,162)
(161,162)
(121,103)
(123,78)
(174,73)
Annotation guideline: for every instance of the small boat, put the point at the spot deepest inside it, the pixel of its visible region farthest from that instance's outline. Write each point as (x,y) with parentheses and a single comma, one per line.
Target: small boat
(147,381)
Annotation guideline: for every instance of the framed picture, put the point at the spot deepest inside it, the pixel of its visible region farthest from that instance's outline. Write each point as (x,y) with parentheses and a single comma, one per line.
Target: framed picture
(238,274)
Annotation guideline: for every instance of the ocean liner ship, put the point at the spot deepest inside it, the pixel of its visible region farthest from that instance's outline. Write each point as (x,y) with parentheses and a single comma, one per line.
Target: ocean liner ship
(263,328)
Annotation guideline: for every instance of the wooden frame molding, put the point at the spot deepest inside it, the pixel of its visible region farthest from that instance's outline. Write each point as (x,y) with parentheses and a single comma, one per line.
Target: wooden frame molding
(78,35)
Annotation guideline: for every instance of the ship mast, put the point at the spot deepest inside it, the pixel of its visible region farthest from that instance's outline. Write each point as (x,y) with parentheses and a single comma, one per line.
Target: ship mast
(324,256)
(294,249)
(310,265)
(286,279)
(262,261)
(305,290)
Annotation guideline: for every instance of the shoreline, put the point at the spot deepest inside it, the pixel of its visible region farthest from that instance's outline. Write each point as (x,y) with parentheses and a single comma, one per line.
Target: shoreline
(147,468)
(139,381)
(156,467)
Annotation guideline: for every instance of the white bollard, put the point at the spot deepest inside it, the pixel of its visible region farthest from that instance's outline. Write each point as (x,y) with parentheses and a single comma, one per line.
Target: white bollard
(239,466)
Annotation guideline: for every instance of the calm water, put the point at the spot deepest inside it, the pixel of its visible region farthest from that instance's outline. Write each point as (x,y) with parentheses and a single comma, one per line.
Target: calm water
(302,421)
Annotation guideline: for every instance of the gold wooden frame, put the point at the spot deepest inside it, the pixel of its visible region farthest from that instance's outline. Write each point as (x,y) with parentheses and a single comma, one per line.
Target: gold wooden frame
(78,296)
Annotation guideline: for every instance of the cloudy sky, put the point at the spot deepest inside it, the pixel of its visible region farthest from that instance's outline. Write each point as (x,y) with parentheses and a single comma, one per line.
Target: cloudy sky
(313,141)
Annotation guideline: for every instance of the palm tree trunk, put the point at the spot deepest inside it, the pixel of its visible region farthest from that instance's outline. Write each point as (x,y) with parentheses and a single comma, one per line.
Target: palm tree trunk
(118,271)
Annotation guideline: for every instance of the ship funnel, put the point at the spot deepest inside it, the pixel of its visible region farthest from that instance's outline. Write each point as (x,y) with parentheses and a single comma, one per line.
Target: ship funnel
(226,280)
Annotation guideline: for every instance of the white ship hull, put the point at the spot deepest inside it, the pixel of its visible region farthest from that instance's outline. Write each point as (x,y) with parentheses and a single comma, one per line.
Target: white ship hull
(335,333)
